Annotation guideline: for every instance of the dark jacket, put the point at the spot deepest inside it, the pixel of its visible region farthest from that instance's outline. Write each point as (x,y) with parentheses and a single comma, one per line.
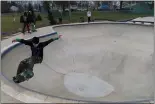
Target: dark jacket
(23,18)
(30,18)
(37,51)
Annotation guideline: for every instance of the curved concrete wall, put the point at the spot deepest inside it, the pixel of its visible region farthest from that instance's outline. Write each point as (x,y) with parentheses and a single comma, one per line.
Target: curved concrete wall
(24,49)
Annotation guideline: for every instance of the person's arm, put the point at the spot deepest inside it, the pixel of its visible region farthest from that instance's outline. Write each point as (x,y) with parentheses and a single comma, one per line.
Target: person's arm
(49,41)
(26,42)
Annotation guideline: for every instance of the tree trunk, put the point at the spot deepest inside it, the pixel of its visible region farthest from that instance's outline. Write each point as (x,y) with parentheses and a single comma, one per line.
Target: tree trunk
(121,4)
(63,8)
(69,10)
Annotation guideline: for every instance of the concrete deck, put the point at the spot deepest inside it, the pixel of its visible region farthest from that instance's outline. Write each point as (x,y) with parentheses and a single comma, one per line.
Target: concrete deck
(116,55)
(150,19)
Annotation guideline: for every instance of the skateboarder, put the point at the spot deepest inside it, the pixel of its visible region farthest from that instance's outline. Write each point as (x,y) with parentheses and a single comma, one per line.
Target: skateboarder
(26,66)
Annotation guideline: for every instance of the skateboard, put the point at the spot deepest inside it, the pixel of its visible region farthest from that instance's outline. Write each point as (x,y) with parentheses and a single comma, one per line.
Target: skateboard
(25,75)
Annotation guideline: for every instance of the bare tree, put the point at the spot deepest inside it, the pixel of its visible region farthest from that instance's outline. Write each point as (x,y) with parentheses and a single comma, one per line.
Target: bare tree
(121,4)
(36,6)
(30,7)
(47,7)
(5,6)
(64,4)
(39,7)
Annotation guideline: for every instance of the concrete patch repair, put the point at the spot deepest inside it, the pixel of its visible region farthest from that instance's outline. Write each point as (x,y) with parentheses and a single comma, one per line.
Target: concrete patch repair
(96,62)
(86,85)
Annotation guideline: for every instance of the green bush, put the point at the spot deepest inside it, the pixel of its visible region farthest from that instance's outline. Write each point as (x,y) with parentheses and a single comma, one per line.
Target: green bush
(39,18)
(51,19)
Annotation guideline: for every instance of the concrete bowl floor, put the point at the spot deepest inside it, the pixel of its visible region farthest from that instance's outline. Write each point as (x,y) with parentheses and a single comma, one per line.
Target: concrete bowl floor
(97,62)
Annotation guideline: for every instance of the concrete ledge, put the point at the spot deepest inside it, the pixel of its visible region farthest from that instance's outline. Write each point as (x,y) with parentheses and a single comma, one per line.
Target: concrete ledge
(33,97)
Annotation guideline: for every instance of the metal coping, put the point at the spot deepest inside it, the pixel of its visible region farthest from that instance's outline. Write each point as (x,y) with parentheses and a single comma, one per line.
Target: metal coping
(91,23)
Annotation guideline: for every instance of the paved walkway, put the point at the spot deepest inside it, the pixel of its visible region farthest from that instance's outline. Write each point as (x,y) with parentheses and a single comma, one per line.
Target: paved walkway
(150,19)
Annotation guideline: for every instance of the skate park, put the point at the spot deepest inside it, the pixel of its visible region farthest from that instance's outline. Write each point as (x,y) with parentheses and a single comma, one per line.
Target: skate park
(96,62)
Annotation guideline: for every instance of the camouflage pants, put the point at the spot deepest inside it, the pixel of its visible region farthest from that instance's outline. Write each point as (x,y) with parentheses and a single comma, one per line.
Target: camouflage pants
(28,64)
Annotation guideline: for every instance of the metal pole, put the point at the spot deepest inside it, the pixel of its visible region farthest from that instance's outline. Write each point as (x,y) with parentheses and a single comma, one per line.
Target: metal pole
(69,11)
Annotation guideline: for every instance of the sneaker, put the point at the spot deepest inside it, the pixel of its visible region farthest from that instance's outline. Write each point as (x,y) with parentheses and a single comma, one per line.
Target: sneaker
(29,32)
(15,80)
